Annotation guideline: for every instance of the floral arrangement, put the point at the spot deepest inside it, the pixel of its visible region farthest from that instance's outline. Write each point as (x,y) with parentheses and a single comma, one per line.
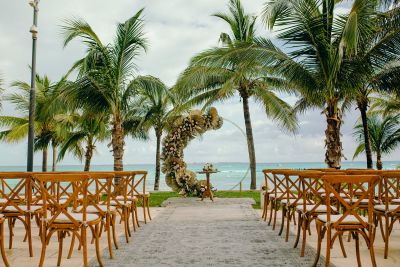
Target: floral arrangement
(208,167)
(185,129)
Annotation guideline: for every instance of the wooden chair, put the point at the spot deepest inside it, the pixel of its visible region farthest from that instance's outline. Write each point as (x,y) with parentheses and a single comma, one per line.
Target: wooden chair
(266,192)
(289,182)
(142,194)
(3,253)
(16,195)
(389,208)
(99,203)
(61,219)
(334,225)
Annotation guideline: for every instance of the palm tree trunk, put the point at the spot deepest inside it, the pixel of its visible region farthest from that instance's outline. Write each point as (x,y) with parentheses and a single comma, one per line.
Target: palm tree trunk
(88,156)
(379,164)
(250,141)
(362,106)
(44,160)
(53,168)
(157,177)
(118,143)
(333,155)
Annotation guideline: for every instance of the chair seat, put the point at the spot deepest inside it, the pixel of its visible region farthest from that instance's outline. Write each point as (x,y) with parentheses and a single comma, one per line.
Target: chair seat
(349,219)
(396,200)
(119,203)
(127,198)
(278,195)
(363,201)
(292,201)
(319,209)
(93,210)
(90,218)
(4,200)
(391,208)
(61,202)
(24,208)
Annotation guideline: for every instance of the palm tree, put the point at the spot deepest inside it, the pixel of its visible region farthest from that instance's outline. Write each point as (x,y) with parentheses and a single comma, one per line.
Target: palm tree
(155,107)
(319,41)
(385,104)
(47,107)
(222,72)
(104,75)
(384,134)
(87,129)
(376,76)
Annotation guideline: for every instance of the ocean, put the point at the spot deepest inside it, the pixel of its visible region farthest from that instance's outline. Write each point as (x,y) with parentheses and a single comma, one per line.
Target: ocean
(228,177)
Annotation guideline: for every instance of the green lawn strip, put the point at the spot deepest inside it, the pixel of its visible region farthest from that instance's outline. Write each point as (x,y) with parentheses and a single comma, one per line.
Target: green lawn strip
(159,197)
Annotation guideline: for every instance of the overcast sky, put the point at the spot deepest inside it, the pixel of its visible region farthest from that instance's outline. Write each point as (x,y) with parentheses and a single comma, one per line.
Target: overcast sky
(177,30)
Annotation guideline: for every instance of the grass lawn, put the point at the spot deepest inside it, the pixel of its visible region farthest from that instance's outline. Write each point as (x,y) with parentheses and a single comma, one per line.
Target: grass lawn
(158,197)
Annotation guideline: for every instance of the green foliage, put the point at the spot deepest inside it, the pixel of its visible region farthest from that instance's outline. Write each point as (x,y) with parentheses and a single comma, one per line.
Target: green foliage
(384,134)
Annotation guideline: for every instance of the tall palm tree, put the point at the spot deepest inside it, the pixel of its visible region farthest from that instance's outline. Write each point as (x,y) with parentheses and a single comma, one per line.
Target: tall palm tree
(223,72)
(382,75)
(319,40)
(47,108)
(155,108)
(385,104)
(384,134)
(104,74)
(86,130)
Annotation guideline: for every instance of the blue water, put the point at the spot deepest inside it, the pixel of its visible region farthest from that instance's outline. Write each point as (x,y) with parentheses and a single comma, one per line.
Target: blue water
(228,177)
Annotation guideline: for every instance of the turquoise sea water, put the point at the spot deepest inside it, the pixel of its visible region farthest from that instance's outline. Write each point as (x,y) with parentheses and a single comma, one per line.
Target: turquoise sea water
(228,177)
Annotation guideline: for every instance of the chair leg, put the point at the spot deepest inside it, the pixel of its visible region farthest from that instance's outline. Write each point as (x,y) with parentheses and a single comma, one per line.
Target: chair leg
(60,247)
(3,253)
(328,247)
(284,214)
(136,214)
(128,210)
(288,216)
(44,246)
(319,243)
(124,212)
(84,246)
(265,207)
(29,234)
(275,214)
(96,237)
(114,222)
(304,228)
(11,234)
(356,238)
(342,245)
(71,247)
(270,213)
(148,207)
(133,218)
(108,229)
(299,225)
(386,237)
(144,210)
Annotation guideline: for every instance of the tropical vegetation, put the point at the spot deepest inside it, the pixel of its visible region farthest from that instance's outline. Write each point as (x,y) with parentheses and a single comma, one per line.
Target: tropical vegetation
(331,55)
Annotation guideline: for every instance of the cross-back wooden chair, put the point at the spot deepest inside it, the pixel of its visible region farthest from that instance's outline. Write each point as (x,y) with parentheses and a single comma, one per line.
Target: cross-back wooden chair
(120,199)
(313,204)
(16,195)
(142,194)
(275,194)
(62,219)
(289,181)
(389,208)
(267,191)
(99,195)
(334,225)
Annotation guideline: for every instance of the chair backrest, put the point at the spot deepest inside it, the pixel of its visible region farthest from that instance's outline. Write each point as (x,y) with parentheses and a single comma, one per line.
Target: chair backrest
(139,186)
(287,184)
(102,193)
(269,179)
(390,189)
(311,189)
(78,182)
(333,187)
(15,190)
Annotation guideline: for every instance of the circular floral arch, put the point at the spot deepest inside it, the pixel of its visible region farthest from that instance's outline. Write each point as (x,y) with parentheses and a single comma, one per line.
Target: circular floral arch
(185,129)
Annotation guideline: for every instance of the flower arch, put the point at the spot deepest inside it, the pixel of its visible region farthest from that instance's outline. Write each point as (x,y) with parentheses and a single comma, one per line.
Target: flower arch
(185,129)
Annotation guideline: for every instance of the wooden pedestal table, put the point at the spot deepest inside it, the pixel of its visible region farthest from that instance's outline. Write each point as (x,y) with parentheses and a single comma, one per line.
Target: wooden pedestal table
(208,192)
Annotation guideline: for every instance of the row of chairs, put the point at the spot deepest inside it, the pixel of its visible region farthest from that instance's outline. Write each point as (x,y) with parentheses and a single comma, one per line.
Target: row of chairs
(71,204)
(339,201)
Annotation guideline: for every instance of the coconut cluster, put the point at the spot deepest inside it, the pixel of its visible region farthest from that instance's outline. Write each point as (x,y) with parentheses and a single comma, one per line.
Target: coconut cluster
(185,129)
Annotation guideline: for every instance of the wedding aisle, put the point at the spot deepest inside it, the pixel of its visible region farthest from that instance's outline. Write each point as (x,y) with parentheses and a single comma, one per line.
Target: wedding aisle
(189,232)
